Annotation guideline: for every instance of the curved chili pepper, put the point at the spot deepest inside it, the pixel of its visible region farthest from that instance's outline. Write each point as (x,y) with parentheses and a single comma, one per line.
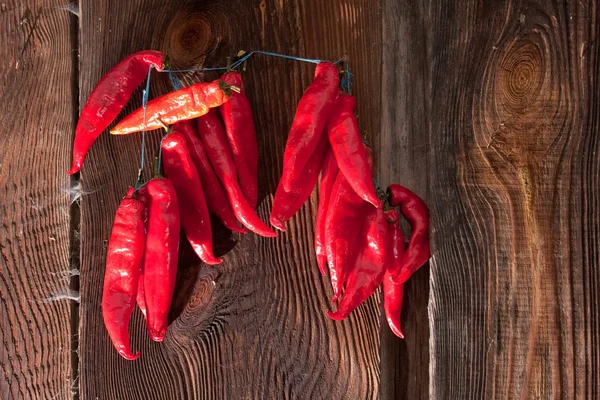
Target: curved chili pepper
(328,175)
(212,134)
(123,260)
(286,204)
(393,293)
(160,257)
(180,169)
(187,103)
(108,98)
(309,122)
(344,136)
(414,209)
(239,125)
(371,264)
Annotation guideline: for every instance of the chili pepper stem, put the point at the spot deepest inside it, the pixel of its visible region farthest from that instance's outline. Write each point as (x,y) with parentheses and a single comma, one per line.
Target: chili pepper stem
(227,89)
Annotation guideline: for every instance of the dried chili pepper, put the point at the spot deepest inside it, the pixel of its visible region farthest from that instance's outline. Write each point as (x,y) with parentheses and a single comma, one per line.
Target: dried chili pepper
(286,204)
(212,134)
(239,125)
(108,98)
(329,173)
(180,169)
(371,264)
(344,136)
(309,122)
(414,209)
(393,293)
(160,256)
(123,260)
(187,103)
(216,199)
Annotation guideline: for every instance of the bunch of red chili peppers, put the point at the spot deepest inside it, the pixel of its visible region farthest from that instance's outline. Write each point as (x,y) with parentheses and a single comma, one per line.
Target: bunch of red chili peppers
(209,159)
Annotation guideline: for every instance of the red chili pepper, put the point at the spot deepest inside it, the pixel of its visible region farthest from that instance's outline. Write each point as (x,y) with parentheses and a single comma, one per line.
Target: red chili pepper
(414,209)
(180,169)
(239,125)
(309,122)
(216,199)
(371,264)
(187,103)
(328,175)
(212,134)
(344,136)
(393,293)
(123,260)
(108,98)
(142,196)
(286,204)
(160,257)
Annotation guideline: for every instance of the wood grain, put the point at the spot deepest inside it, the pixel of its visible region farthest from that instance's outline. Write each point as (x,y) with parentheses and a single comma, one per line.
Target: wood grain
(255,327)
(514,123)
(36,83)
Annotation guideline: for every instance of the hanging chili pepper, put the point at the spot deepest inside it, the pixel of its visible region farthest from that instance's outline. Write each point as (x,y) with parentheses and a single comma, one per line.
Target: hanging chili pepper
(216,199)
(187,103)
(414,209)
(344,136)
(286,204)
(108,98)
(393,293)
(123,260)
(309,122)
(239,125)
(160,256)
(180,169)
(371,264)
(212,134)
(328,175)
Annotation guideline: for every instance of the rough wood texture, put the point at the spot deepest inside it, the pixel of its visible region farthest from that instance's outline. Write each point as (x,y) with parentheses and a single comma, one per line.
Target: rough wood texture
(514,178)
(37,121)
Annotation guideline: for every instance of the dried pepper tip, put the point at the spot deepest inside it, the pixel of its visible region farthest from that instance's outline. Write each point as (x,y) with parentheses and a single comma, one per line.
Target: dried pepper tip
(128,355)
(156,335)
(277,223)
(336,316)
(227,89)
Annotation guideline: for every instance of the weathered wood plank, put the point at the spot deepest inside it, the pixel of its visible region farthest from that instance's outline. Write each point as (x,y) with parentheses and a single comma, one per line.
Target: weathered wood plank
(36,85)
(254,327)
(513,183)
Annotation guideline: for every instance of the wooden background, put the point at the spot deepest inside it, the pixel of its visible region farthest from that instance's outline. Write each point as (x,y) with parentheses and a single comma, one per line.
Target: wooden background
(488,109)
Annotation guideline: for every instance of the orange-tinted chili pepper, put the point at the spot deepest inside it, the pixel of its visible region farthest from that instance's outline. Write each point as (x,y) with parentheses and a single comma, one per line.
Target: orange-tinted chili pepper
(329,173)
(393,293)
(108,98)
(286,204)
(216,199)
(309,122)
(123,261)
(180,169)
(186,103)
(414,209)
(239,125)
(344,136)
(370,266)
(212,134)
(161,252)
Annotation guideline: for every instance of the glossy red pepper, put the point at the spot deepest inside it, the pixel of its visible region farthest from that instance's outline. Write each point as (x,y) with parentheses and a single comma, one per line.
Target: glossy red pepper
(344,136)
(216,199)
(414,209)
(372,261)
(180,169)
(329,173)
(309,123)
(239,125)
(286,204)
(186,103)
(160,256)
(212,134)
(142,196)
(108,98)
(123,261)
(393,293)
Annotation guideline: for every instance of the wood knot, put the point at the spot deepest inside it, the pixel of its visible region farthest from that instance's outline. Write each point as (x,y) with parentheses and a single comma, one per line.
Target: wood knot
(521,76)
